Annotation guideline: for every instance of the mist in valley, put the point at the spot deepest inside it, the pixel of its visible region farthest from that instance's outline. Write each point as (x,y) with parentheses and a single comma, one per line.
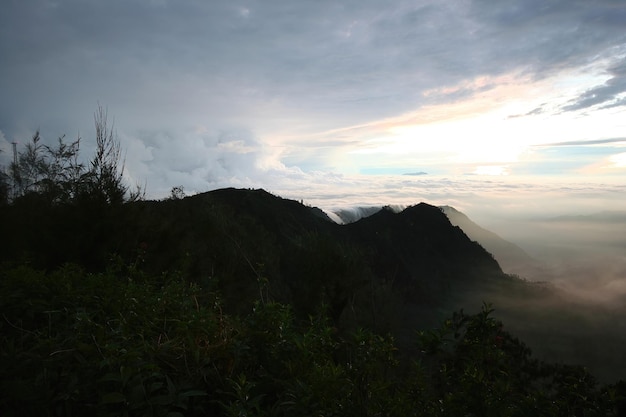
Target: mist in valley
(580,262)
(584,255)
(572,307)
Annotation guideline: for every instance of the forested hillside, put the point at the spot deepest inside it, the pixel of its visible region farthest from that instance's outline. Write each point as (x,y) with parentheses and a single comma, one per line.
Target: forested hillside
(238,302)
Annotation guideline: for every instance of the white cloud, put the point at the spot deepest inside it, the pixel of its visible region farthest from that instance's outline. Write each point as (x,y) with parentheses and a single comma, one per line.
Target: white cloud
(618,160)
(491,170)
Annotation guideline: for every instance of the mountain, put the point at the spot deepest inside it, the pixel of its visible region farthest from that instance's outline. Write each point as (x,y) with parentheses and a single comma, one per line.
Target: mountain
(391,272)
(423,249)
(415,257)
(511,257)
(238,239)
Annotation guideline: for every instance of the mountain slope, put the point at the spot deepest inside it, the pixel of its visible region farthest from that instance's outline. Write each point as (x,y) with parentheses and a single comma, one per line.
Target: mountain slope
(510,256)
(238,239)
(423,249)
(390,272)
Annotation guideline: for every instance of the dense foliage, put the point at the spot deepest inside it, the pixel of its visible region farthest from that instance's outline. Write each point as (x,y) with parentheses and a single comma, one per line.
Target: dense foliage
(123,343)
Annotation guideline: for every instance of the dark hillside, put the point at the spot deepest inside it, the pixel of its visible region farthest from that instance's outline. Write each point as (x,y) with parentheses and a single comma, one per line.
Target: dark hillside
(242,239)
(421,252)
(391,272)
(284,216)
(423,266)
(388,272)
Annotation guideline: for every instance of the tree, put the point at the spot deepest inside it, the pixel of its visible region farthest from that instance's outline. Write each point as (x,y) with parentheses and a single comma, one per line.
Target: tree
(5,187)
(105,176)
(57,175)
(177,193)
(63,175)
(29,168)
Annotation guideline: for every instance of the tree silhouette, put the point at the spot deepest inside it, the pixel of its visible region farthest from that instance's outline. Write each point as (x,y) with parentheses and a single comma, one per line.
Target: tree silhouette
(105,175)
(5,187)
(56,175)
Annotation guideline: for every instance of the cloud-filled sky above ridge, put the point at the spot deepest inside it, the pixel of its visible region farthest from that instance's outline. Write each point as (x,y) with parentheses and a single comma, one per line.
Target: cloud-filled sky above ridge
(287,95)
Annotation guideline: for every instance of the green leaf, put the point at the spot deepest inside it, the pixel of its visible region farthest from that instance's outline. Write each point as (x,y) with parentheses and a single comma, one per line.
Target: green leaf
(155,386)
(193,393)
(113,398)
(161,400)
(110,377)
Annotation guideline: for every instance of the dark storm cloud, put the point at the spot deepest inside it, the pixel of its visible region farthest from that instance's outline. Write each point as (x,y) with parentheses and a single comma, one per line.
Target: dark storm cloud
(318,54)
(544,36)
(608,94)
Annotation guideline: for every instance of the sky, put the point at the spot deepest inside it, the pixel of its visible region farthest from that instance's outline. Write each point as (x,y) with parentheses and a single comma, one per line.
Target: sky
(511,106)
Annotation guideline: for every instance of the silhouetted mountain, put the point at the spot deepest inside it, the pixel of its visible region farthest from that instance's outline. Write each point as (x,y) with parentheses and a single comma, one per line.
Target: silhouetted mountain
(281,216)
(417,251)
(390,272)
(239,237)
(511,257)
(421,252)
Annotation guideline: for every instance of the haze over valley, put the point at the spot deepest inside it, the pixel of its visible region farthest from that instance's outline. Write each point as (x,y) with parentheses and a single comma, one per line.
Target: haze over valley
(583,254)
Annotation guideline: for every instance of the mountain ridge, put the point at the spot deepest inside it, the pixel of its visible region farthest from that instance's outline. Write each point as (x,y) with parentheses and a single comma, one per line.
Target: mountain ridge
(243,235)
(511,257)
(390,272)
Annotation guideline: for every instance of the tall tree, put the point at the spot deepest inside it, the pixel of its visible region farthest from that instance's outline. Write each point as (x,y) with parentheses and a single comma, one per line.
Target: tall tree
(106,169)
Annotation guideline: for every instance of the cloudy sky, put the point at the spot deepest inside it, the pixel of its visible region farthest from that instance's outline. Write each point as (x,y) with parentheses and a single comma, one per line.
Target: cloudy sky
(333,101)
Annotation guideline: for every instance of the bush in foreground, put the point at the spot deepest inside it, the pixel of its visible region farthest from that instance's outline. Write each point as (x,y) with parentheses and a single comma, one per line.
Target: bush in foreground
(121,343)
